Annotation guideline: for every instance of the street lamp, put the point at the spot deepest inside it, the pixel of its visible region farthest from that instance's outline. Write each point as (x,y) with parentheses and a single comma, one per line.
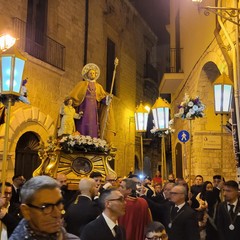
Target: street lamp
(160,111)
(223,90)
(141,119)
(11,70)
(6,42)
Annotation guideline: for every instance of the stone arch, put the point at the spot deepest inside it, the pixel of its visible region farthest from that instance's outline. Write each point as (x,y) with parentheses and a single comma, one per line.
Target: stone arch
(210,65)
(25,119)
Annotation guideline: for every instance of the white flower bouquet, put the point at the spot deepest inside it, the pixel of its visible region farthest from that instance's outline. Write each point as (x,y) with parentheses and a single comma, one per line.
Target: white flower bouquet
(77,142)
(190,108)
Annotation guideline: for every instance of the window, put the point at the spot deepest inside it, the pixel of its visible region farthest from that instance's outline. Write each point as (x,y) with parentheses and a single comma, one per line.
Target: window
(36,28)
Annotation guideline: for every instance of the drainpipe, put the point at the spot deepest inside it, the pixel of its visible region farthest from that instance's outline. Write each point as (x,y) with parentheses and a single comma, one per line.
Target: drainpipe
(86,32)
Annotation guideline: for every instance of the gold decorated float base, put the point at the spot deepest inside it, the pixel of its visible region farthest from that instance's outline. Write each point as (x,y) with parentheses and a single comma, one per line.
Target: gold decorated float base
(75,165)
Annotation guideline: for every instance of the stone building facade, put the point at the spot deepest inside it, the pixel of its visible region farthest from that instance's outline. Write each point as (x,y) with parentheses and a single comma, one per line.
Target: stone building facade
(58,38)
(207,53)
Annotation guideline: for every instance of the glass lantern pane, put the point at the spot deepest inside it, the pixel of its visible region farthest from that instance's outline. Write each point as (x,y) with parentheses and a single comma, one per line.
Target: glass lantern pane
(161,117)
(227,90)
(145,121)
(18,72)
(217,97)
(166,110)
(141,121)
(6,73)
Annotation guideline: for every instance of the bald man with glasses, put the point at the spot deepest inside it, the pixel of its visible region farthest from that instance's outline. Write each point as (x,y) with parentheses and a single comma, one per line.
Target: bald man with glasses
(42,209)
(181,218)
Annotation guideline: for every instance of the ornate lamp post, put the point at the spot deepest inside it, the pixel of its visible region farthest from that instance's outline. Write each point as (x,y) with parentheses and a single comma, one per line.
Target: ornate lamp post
(160,111)
(223,91)
(141,119)
(11,71)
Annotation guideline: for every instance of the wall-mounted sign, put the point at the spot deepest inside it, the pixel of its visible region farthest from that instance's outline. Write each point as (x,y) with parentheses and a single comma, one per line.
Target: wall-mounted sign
(183,136)
(211,142)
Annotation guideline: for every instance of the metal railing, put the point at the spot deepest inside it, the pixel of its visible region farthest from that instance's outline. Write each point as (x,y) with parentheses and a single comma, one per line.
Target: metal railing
(48,50)
(175,61)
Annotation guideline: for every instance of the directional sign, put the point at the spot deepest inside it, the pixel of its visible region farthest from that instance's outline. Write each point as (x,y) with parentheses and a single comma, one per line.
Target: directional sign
(183,136)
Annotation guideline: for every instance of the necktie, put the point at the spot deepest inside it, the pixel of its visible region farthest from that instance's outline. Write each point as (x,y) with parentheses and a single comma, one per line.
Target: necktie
(118,232)
(174,211)
(231,213)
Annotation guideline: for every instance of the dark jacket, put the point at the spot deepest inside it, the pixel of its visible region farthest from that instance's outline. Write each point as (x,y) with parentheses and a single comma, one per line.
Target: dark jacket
(10,222)
(81,213)
(183,227)
(224,221)
(99,230)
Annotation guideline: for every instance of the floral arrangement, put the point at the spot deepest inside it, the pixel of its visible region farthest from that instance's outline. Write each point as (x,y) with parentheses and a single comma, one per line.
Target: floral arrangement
(190,108)
(160,133)
(83,143)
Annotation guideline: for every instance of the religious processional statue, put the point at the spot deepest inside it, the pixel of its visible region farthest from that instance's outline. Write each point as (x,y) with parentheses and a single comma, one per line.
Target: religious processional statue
(86,131)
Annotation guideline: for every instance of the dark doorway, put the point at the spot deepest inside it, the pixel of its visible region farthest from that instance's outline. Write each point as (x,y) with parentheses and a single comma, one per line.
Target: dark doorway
(179,167)
(136,164)
(27,159)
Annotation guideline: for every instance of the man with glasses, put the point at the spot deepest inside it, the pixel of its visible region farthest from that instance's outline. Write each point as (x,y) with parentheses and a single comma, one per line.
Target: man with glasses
(105,227)
(42,209)
(181,219)
(155,231)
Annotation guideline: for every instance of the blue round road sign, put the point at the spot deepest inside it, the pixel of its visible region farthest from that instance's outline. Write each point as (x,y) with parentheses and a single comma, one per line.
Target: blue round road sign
(183,136)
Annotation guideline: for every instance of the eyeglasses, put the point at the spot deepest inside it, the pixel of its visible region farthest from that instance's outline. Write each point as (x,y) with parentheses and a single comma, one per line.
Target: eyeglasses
(48,208)
(120,199)
(162,237)
(175,193)
(154,238)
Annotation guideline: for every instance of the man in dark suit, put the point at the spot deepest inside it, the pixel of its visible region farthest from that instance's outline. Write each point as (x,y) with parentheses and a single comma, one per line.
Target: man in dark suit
(8,220)
(105,226)
(181,218)
(18,181)
(83,210)
(218,182)
(228,214)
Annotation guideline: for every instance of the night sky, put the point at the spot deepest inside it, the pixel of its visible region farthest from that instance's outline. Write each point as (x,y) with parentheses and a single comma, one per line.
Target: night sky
(156,14)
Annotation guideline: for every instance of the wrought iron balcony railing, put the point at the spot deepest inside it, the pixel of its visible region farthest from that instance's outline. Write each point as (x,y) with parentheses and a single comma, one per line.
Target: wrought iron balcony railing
(175,61)
(47,50)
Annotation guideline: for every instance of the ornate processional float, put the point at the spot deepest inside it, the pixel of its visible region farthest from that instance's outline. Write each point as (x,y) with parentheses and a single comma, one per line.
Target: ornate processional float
(78,151)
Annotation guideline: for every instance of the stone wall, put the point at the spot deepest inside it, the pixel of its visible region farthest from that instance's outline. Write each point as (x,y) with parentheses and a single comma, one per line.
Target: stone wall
(48,86)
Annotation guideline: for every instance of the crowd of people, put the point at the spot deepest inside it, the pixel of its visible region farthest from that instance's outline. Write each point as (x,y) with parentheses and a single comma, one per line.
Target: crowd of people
(120,208)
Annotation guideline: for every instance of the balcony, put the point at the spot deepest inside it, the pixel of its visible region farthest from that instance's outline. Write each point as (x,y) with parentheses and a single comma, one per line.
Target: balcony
(47,49)
(173,75)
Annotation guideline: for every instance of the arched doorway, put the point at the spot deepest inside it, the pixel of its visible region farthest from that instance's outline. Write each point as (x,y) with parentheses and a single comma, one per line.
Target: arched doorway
(179,165)
(27,159)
